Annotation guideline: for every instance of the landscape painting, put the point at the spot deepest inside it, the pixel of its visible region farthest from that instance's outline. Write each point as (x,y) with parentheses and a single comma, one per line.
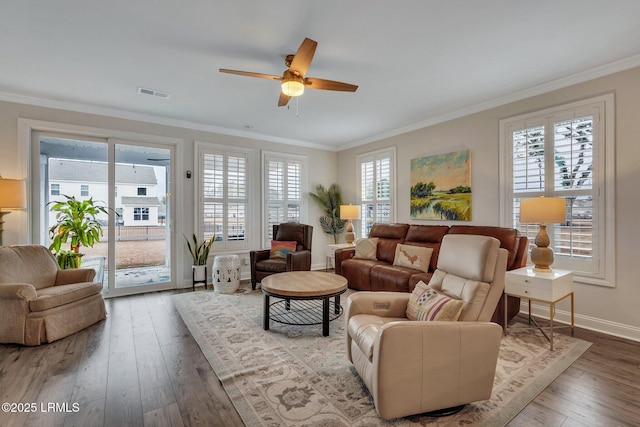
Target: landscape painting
(441,187)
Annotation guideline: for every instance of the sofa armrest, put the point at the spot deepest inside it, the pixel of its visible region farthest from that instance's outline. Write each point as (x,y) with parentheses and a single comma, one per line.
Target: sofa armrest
(299,260)
(383,304)
(14,308)
(75,275)
(431,365)
(342,254)
(23,291)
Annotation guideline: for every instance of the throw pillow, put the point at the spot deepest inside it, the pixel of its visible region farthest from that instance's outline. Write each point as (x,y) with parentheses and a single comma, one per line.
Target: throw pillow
(280,249)
(413,257)
(366,248)
(426,303)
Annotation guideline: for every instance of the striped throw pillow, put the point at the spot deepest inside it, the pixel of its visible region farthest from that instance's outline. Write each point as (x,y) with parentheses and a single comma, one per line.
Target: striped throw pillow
(280,249)
(426,303)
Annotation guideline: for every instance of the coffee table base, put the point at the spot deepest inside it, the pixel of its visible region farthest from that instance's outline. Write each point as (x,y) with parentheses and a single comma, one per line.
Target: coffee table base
(302,311)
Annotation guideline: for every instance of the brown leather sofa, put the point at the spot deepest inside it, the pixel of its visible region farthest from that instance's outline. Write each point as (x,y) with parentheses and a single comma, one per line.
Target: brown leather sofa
(382,275)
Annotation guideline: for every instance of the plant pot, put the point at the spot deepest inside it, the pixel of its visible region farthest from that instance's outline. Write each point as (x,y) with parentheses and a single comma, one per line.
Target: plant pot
(199,273)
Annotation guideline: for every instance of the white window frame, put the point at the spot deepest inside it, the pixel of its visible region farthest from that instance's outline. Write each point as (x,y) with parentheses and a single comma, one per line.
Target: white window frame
(373,156)
(286,158)
(225,244)
(141,213)
(600,269)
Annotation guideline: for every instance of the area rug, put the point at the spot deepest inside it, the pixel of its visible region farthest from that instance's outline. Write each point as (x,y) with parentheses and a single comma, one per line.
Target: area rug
(293,376)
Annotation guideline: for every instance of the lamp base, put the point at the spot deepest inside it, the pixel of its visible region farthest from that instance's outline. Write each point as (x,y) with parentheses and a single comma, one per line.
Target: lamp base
(350,236)
(2,214)
(542,258)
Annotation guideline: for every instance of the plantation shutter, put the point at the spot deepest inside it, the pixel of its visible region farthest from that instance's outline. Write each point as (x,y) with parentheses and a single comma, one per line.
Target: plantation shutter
(224,196)
(283,191)
(563,152)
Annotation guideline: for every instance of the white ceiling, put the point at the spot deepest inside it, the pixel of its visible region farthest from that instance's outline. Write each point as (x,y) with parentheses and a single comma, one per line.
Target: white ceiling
(416,61)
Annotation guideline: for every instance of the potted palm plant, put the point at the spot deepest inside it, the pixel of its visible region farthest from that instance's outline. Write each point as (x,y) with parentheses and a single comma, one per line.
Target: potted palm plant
(200,253)
(330,199)
(76,223)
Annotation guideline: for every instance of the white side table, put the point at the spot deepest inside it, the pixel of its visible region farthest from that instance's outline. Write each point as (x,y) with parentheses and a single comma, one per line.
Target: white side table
(544,287)
(331,253)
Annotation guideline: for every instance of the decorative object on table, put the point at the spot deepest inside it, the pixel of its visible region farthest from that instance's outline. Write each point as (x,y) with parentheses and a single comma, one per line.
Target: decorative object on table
(330,200)
(226,273)
(542,210)
(77,222)
(441,187)
(199,254)
(349,213)
(12,196)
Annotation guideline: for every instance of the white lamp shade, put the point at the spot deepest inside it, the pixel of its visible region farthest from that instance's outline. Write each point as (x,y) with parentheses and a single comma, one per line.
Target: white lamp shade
(543,210)
(12,194)
(349,211)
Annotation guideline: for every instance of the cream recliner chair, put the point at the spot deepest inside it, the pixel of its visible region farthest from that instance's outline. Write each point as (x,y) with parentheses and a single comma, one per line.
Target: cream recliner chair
(411,367)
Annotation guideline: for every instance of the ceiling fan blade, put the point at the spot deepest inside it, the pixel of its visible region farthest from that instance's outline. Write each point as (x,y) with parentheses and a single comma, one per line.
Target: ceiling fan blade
(302,58)
(314,83)
(250,74)
(283,100)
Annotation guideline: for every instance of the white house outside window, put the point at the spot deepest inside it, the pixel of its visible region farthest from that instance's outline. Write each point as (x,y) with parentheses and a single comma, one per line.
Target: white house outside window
(377,188)
(55,189)
(565,152)
(284,183)
(84,190)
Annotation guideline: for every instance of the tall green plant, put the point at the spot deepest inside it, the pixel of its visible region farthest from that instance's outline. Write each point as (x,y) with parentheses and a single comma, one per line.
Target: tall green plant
(330,199)
(76,221)
(199,251)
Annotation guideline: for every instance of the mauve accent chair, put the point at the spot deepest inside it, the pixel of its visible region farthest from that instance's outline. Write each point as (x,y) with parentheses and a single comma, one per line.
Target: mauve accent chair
(39,302)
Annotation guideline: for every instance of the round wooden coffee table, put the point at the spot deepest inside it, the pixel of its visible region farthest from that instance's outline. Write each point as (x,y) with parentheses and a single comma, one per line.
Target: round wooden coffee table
(302,286)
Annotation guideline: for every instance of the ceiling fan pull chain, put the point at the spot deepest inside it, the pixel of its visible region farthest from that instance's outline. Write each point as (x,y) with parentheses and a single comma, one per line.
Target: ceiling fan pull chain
(297,108)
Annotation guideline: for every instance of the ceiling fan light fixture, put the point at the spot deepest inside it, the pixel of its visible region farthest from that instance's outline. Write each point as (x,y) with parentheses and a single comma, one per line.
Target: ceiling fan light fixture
(293,86)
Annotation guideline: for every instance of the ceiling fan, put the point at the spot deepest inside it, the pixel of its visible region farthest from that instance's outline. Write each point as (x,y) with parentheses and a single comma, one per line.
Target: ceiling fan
(293,79)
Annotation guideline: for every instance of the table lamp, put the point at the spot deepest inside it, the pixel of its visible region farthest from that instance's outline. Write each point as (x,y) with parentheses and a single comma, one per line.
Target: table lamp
(542,210)
(350,212)
(12,196)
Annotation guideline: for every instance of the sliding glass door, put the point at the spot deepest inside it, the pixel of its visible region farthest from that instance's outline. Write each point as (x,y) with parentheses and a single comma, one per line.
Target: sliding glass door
(133,180)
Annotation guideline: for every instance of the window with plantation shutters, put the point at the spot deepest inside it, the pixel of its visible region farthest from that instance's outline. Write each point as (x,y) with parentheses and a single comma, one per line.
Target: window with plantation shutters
(565,152)
(224,199)
(284,184)
(376,183)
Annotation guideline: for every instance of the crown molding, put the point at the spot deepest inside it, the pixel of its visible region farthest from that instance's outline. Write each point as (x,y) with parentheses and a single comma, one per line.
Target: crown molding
(604,70)
(150,118)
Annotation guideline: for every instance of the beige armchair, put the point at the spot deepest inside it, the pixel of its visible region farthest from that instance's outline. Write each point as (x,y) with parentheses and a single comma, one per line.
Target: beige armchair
(412,367)
(41,303)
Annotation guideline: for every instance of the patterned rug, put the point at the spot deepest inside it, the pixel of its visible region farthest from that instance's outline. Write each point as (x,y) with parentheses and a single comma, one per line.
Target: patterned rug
(292,376)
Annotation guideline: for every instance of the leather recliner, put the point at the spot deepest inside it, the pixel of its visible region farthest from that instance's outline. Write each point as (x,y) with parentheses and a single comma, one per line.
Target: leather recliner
(300,260)
(411,367)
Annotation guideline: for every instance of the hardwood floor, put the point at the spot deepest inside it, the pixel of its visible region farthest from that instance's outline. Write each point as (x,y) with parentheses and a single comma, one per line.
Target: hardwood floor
(141,367)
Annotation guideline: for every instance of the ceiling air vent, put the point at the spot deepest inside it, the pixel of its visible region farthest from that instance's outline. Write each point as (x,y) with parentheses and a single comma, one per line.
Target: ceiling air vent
(159,94)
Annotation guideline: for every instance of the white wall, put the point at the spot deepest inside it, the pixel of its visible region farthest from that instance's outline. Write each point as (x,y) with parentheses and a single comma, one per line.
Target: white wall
(322,170)
(614,310)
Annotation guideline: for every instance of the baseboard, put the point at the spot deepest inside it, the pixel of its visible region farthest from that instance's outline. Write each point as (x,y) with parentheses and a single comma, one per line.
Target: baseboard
(594,324)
